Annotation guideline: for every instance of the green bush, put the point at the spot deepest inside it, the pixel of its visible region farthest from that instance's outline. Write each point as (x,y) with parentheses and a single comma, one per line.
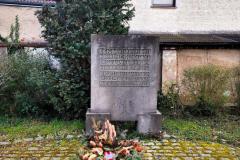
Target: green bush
(25,85)
(169,103)
(67,28)
(12,40)
(207,85)
(236,74)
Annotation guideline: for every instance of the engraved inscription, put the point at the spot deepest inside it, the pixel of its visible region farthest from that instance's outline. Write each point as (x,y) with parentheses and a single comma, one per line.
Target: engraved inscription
(124,67)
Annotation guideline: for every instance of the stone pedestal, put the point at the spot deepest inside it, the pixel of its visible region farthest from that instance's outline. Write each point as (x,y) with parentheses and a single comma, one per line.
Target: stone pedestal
(149,123)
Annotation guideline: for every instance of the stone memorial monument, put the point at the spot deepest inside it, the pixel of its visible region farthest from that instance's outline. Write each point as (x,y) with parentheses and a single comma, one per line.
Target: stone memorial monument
(125,78)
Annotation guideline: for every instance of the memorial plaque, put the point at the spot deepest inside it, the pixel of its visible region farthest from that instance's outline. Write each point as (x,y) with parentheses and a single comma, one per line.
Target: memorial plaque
(125,74)
(124,67)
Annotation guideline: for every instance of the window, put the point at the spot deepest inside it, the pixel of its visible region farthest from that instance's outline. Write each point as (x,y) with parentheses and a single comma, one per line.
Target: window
(163,3)
(28,2)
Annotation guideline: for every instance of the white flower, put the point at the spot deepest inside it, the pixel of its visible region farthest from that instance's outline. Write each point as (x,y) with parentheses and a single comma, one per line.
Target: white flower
(227,93)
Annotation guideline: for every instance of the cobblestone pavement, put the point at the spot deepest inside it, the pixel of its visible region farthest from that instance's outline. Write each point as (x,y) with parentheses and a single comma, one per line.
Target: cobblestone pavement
(33,149)
(186,150)
(43,150)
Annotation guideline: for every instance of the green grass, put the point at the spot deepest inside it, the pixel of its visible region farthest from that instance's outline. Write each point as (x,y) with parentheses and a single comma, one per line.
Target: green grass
(216,129)
(12,128)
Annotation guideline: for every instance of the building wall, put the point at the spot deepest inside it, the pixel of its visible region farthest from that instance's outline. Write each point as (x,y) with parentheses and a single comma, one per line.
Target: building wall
(200,16)
(176,61)
(30,29)
(189,16)
(194,57)
(3,51)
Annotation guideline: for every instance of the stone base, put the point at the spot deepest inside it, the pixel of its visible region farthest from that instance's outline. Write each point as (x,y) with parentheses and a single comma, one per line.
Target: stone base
(149,123)
(98,117)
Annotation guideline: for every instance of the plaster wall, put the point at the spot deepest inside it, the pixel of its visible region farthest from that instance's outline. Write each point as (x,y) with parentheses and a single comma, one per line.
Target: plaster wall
(198,16)
(30,29)
(187,58)
(3,51)
(189,16)
(169,66)
(176,61)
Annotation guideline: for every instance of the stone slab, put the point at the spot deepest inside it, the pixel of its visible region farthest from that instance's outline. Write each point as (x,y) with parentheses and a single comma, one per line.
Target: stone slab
(125,75)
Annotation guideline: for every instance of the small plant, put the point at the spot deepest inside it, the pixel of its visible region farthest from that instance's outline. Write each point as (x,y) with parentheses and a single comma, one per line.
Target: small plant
(207,86)
(169,103)
(236,74)
(104,145)
(12,40)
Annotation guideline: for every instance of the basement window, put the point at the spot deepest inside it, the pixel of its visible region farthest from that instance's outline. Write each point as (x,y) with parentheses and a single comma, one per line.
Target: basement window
(164,3)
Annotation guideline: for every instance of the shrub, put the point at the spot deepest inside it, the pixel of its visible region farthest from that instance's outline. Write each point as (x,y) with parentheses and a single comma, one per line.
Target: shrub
(12,40)
(26,85)
(236,74)
(169,102)
(207,85)
(67,28)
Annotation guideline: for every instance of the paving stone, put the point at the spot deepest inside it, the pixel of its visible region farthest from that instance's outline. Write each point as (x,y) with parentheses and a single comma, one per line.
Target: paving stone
(168,148)
(149,144)
(39,138)
(45,158)
(182,155)
(205,155)
(46,149)
(33,149)
(186,150)
(147,155)
(70,137)
(176,158)
(153,150)
(150,151)
(155,147)
(165,141)
(208,151)
(188,158)
(4,143)
(28,139)
(175,144)
(177,148)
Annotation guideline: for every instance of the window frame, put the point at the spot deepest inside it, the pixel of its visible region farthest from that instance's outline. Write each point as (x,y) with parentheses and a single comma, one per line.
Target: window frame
(23,4)
(163,5)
